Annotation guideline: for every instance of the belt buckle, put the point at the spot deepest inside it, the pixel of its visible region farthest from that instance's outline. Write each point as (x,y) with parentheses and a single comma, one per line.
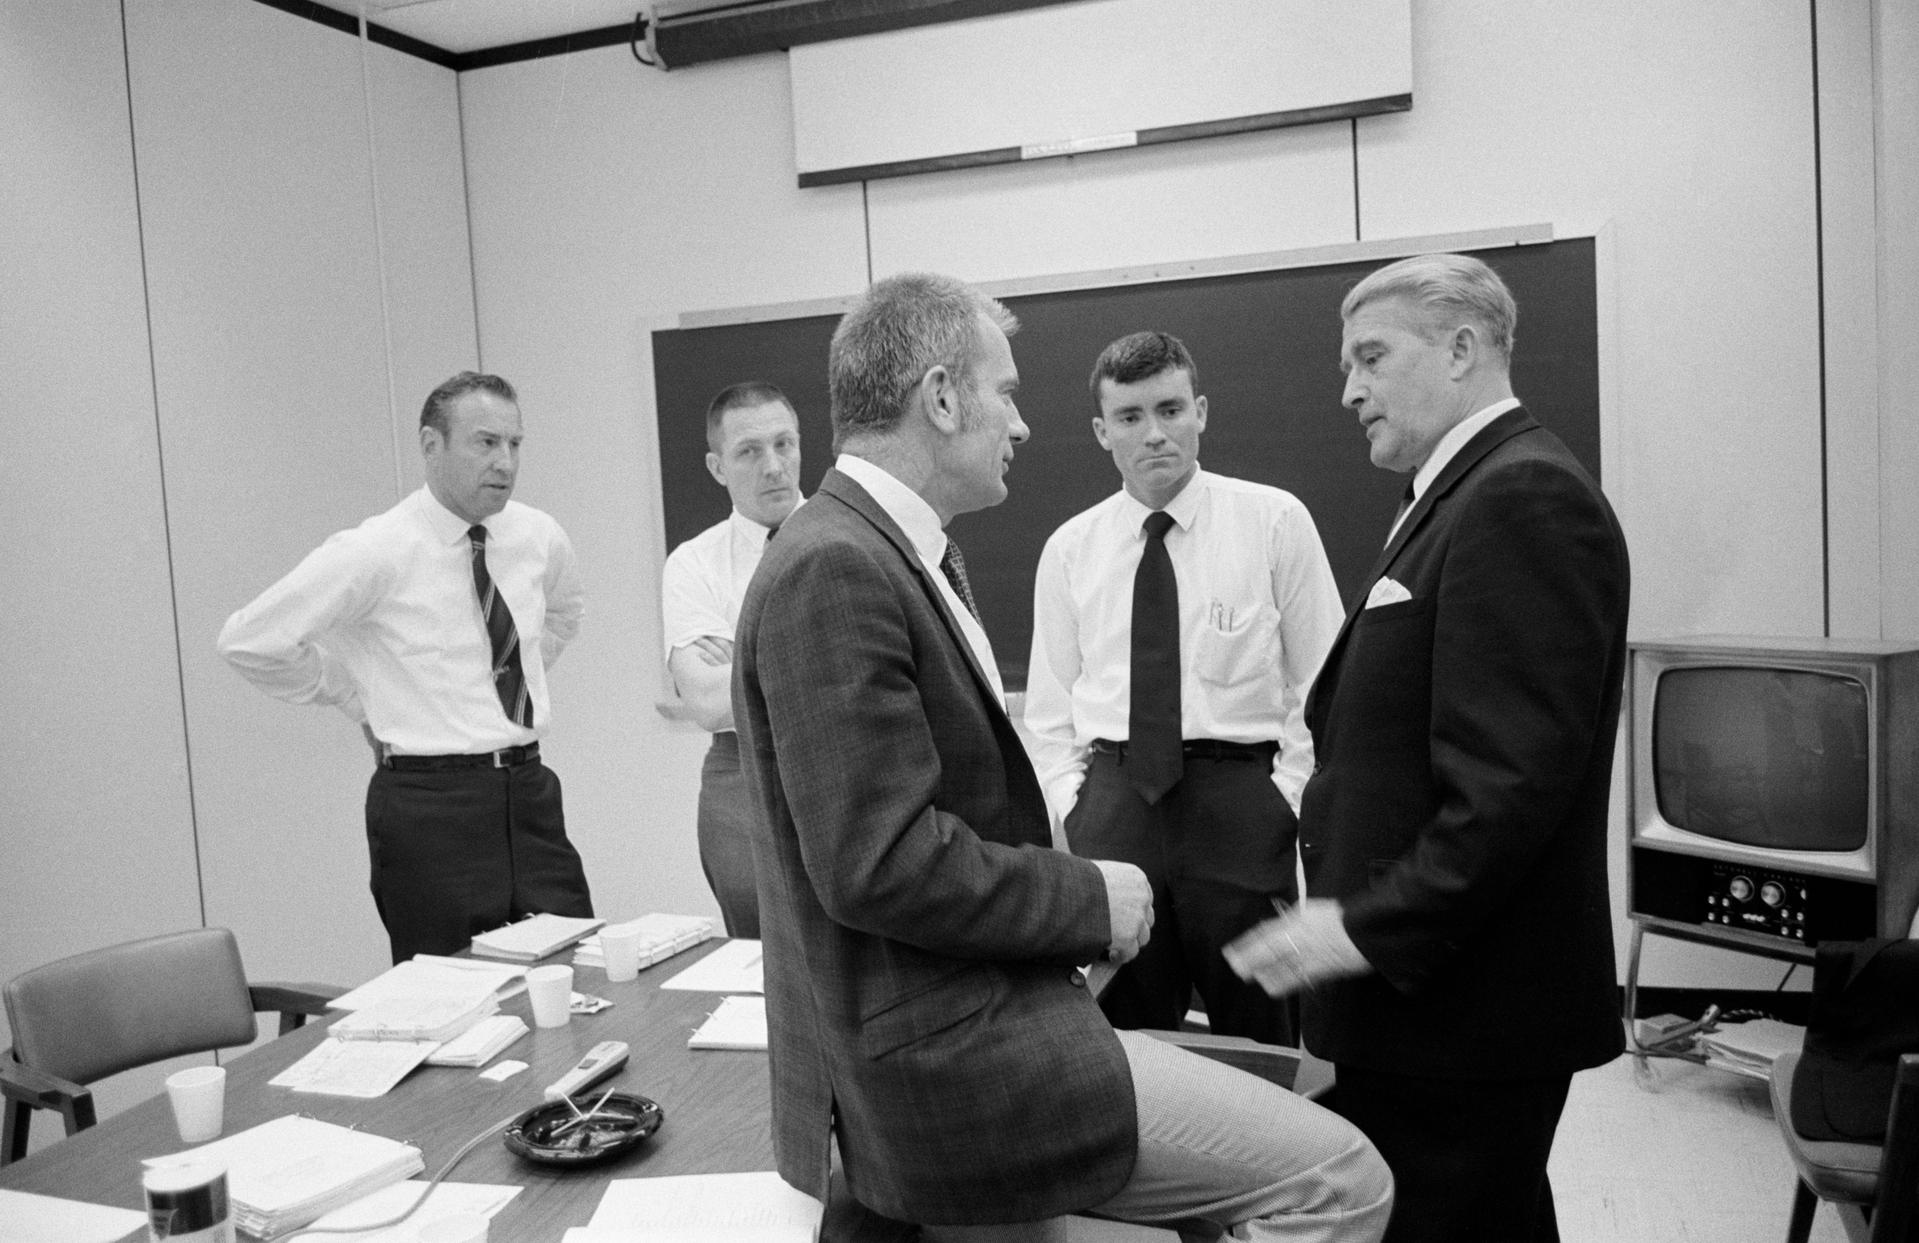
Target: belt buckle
(500,759)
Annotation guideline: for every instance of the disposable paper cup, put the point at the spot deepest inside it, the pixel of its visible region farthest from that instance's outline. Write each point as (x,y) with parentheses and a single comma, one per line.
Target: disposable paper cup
(455,1228)
(551,991)
(622,949)
(199,1097)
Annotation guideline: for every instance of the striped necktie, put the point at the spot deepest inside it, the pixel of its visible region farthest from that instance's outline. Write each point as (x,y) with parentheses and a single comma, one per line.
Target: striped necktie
(509,680)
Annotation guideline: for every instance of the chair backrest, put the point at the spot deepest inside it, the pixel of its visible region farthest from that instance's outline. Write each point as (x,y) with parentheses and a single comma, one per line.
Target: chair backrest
(96,1014)
(1895,1219)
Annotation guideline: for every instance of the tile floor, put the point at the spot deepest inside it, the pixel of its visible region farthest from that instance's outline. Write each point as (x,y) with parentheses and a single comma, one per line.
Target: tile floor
(1676,1153)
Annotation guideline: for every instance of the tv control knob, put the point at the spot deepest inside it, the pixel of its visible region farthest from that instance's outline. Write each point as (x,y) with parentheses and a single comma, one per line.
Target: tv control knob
(1772,893)
(1740,888)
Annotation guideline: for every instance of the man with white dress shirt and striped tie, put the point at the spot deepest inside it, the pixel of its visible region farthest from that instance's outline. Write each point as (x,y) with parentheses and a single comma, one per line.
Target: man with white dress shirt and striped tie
(433,625)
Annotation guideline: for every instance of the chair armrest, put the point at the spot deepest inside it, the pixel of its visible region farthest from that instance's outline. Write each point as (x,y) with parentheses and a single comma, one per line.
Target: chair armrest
(294,1003)
(1274,1063)
(35,1089)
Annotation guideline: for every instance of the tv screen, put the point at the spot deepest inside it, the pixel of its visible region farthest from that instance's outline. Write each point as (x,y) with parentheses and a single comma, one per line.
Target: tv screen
(1763,757)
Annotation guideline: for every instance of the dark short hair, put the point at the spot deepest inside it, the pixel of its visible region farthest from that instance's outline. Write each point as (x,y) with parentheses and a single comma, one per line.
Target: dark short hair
(901,328)
(738,397)
(1445,289)
(1141,356)
(441,400)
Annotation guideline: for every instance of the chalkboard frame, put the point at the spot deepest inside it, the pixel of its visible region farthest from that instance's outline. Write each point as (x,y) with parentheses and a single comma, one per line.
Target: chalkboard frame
(1264,331)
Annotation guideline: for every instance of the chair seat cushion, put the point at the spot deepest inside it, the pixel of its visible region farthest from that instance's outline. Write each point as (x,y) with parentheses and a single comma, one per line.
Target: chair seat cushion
(1834,1169)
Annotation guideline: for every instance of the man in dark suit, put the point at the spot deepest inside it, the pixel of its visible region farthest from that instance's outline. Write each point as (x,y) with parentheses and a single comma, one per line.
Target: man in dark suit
(921,935)
(1456,944)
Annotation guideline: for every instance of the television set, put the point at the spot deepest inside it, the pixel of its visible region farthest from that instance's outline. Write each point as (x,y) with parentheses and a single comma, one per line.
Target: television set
(1772,790)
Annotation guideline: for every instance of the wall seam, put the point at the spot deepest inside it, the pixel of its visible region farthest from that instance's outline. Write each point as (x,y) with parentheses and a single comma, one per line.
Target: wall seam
(160,452)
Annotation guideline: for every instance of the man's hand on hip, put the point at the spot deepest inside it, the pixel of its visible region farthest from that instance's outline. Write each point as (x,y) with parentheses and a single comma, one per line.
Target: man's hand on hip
(1129,900)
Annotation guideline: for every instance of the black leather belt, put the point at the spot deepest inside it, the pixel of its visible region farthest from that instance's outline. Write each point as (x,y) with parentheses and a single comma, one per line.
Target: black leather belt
(1201,749)
(509,758)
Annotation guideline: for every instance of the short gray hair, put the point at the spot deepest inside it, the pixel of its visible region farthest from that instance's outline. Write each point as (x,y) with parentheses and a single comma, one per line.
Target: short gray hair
(1447,289)
(901,328)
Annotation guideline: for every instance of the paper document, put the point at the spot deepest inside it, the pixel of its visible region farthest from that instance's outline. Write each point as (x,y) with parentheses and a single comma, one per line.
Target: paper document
(477,1045)
(661,937)
(28,1218)
(738,1023)
(486,1199)
(534,937)
(284,1173)
(1749,1048)
(432,1016)
(362,1068)
(427,973)
(732,968)
(734,1207)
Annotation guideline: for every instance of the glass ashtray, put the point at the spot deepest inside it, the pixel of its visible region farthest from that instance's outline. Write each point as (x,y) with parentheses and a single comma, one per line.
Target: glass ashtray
(556,1133)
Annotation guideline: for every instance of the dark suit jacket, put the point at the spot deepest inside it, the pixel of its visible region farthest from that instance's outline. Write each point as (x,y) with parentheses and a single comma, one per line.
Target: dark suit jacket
(1464,740)
(920,932)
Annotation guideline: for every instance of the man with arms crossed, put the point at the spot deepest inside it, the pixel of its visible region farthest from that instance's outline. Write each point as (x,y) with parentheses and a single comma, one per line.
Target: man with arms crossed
(1193,773)
(753,449)
(1456,943)
(433,625)
(920,933)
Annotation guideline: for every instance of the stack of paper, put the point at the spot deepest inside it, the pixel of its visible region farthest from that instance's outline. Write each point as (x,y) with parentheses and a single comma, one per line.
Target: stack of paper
(733,968)
(534,937)
(722,1208)
(28,1218)
(1749,1048)
(486,1199)
(662,936)
(427,973)
(285,1173)
(360,1068)
(739,1023)
(478,1043)
(425,1016)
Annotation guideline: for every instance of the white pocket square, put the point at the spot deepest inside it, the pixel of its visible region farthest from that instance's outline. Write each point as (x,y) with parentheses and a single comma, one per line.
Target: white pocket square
(1386,591)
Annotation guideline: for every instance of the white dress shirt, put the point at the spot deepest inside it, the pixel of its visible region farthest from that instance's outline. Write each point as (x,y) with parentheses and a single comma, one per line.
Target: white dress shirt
(1258,610)
(1450,444)
(914,516)
(383,622)
(705,579)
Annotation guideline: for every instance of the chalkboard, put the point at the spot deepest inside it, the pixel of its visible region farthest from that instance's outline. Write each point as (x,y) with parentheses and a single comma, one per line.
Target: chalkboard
(1267,347)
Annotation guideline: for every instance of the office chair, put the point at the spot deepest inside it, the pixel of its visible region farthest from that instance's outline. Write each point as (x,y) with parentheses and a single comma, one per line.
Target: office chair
(81,1019)
(1847,1104)
(1874,1188)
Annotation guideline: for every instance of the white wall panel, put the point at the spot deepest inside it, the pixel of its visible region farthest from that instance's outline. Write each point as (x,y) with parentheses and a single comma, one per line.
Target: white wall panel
(1849,257)
(96,821)
(270,360)
(607,198)
(1690,129)
(1896,144)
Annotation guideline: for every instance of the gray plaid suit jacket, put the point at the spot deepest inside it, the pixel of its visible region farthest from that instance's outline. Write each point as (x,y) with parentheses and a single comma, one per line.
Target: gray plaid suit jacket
(920,932)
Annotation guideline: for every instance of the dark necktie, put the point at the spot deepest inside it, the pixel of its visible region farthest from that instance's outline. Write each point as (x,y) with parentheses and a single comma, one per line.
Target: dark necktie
(1153,761)
(508,678)
(954,567)
(1406,499)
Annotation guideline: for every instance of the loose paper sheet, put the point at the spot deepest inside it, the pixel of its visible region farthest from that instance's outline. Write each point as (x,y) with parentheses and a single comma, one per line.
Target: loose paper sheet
(732,968)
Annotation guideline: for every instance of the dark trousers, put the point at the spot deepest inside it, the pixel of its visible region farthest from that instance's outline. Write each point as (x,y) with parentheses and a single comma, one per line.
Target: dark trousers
(1468,1155)
(726,836)
(1218,849)
(459,851)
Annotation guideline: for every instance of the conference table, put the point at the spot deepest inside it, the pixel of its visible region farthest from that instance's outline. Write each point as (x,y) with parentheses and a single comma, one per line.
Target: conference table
(714,1103)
